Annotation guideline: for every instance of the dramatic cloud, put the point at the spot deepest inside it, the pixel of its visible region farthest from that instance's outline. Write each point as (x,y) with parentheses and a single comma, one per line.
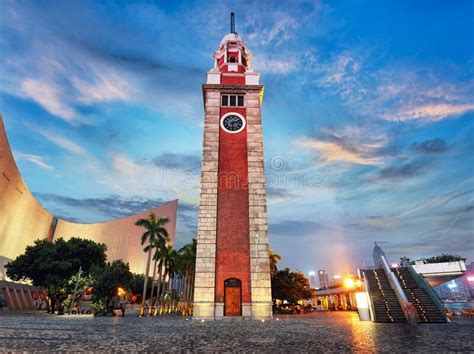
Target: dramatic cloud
(337,152)
(432,146)
(35,159)
(284,66)
(109,207)
(47,95)
(104,89)
(178,161)
(431,112)
(406,170)
(61,142)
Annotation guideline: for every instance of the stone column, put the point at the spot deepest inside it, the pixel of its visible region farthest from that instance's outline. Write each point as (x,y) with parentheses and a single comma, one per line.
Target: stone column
(204,288)
(259,243)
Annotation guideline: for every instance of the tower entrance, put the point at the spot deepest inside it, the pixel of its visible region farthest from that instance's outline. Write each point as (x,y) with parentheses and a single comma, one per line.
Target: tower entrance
(232,297)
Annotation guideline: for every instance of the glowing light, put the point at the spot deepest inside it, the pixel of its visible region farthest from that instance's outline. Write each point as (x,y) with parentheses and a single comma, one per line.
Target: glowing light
(121,291)
(202,321)
(337,276)
(471,278)
(311,273)
(358,283)
(349,283)
(394,265)
(263,320)
(452,285)
(362,301)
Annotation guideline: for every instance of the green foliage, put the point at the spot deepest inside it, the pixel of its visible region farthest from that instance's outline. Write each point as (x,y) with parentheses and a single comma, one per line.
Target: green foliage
(443,258)
(109,278)
(290,286)
(53,265)
(136,283)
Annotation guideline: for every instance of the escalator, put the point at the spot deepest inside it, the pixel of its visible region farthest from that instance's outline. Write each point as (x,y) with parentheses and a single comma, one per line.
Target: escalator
(425,307)
(384,300)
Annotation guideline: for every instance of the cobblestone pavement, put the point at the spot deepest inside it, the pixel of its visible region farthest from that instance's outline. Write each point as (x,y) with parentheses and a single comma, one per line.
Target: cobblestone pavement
(303,333)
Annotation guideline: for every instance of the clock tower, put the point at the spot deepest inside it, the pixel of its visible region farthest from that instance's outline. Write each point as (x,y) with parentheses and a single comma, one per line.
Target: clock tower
(232,263)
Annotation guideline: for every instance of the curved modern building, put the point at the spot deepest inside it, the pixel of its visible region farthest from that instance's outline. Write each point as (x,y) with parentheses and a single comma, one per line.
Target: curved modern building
(23,220)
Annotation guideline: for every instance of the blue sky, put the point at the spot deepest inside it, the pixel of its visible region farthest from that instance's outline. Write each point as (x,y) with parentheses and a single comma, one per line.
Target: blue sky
(367,115)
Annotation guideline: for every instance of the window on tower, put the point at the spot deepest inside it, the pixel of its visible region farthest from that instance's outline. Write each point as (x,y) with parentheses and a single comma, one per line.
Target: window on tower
(232,100)
(225,100)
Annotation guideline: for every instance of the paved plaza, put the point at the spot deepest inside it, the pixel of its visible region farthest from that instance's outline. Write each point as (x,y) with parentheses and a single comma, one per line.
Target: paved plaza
(301,333)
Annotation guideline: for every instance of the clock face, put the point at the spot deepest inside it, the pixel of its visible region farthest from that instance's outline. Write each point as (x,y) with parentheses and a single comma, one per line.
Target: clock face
(232,123)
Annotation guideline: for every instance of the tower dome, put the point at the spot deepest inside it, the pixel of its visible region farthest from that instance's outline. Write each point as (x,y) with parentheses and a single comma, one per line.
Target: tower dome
(232,37)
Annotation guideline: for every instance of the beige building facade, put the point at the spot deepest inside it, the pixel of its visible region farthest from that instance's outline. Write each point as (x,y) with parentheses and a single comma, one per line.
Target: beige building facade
(23,220)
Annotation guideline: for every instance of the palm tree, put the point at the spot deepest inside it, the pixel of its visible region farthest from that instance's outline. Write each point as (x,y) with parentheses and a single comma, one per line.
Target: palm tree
(188,253)
(274,259)
(160,256)
(168,256)
(155,229)
(158,245)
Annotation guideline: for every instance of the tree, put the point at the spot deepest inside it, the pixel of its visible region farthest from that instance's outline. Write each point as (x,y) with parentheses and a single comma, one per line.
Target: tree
(444,258)
(274,259)
(107,279)
(155,229)
(52,264)
(188,265)
(290,286)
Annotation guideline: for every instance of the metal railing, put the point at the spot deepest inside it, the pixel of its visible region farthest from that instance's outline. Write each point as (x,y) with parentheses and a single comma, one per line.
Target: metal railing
(397,288)
(422,283)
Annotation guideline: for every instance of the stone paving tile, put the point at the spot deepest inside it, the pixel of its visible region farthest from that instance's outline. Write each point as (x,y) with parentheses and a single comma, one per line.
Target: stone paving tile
(323,332)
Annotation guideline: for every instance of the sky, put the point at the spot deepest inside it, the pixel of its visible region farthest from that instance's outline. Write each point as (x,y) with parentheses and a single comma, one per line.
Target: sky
(367,116)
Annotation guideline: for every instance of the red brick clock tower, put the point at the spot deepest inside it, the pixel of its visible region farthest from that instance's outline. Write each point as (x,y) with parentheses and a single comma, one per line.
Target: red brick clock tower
(232,265)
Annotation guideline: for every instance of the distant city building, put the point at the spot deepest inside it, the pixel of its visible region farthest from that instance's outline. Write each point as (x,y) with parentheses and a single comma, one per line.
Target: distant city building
(376,254)
(312,280)
(460,289)
(323,279)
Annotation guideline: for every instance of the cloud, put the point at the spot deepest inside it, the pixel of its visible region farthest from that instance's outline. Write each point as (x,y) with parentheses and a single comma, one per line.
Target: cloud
(390,93)
(35,159)
(291,228)
(103,89)
(262,63)
(62,142)
(432,146)
(178,161)
(431,112)
(110,207)
(338,152)
(47,95)
(404,171)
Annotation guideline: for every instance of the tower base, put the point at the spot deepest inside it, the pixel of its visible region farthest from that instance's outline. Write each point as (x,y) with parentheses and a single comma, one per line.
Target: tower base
(215,311)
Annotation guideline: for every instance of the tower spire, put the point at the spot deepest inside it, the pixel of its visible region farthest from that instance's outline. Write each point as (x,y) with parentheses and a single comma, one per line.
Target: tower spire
(232,22)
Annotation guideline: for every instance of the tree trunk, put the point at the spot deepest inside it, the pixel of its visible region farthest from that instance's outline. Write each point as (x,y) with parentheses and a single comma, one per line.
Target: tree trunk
(152,289)
(185,291)
(160,272)
(145,283)
(165,289)
(53,304)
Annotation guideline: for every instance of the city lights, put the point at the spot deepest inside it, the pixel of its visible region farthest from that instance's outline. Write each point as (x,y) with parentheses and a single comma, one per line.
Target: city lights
(452,285)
